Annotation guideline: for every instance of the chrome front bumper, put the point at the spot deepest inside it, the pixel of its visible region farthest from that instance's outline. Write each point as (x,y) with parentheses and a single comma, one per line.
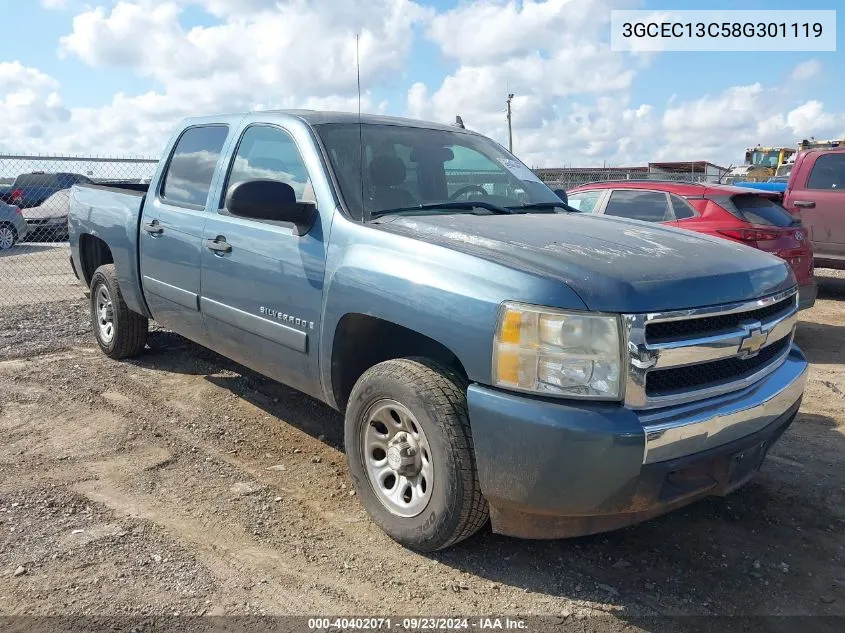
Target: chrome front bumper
(698,426)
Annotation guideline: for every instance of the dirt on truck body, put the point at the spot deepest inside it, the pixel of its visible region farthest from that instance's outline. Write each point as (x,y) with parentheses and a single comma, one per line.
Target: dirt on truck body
(181,483)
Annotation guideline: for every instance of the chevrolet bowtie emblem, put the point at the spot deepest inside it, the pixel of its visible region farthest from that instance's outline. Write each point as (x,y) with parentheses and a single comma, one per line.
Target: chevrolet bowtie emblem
(754,339)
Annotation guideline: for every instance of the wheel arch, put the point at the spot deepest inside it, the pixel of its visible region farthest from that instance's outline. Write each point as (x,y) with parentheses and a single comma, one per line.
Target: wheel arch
(362,341)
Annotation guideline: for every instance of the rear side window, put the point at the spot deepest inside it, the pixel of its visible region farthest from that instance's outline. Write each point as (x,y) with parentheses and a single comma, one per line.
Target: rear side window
(584,201)
(187,180)
(681,208)
(828,172)
(757,210)
(648,206)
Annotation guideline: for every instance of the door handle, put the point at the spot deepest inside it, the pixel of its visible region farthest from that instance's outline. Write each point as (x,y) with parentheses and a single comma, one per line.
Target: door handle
(219,246)
(805,204)
(153,228)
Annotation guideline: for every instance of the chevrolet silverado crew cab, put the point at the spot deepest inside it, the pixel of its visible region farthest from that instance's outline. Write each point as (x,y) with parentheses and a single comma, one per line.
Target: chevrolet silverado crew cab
(556,373)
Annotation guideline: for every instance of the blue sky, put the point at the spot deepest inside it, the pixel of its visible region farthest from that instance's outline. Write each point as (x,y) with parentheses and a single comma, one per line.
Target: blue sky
(430,59)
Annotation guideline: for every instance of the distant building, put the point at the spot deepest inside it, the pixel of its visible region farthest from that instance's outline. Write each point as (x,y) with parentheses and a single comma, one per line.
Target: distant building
(699,170)
(568,177)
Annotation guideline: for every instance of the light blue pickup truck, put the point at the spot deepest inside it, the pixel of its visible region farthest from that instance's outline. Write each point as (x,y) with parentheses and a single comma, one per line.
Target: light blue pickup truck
(496,354)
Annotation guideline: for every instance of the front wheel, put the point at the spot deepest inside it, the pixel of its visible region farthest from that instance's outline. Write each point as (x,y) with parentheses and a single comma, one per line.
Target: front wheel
(8,236)
(410,453)
(120,333)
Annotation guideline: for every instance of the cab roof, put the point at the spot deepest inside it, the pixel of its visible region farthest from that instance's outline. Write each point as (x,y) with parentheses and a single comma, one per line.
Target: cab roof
(322,117)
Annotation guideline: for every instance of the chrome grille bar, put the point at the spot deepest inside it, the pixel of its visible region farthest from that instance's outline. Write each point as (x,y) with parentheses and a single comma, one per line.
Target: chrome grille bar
(744,339)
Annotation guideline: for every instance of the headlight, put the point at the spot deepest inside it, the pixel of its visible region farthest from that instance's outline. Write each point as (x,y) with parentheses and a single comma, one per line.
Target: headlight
(553,352)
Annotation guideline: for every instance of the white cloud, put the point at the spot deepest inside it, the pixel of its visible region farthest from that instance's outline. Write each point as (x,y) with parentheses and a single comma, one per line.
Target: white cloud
(543,52)
(298,47)
(720,126)
(28,103)
(54,5)
(807,70)
(260,55)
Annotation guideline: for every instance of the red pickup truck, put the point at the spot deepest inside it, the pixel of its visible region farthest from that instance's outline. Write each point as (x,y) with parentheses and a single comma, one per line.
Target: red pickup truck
(816,194)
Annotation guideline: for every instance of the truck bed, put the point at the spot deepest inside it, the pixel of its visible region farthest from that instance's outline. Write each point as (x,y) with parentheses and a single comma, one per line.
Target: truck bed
(112,213)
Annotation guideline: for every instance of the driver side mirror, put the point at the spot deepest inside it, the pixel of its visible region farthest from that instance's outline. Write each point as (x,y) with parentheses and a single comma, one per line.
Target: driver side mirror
(270,200)
(561,193)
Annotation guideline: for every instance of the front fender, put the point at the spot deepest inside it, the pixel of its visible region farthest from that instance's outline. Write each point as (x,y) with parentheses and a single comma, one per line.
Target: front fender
(448,296)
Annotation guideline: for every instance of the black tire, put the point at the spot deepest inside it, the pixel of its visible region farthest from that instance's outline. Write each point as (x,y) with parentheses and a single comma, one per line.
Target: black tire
(129,329)
(436,396)
(11,227)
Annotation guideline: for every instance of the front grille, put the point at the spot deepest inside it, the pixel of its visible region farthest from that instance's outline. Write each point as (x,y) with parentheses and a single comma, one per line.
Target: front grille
(667,381)
(689,328)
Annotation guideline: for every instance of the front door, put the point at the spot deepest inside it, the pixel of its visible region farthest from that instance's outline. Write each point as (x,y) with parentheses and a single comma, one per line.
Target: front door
(170,240)
(821,205)
(262,283)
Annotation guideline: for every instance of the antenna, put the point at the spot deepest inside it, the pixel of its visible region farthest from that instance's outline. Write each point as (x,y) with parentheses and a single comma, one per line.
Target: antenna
(510,130)
(360,125)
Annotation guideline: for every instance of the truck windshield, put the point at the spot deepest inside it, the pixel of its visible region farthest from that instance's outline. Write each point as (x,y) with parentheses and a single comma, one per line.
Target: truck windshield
(765,159)
(405,167)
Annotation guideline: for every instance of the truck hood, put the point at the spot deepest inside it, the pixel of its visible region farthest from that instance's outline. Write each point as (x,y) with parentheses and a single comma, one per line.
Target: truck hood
(613,264)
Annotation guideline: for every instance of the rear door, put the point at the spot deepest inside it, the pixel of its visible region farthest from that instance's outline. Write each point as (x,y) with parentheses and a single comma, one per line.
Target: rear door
(262,283)
(818,198)
(171,240)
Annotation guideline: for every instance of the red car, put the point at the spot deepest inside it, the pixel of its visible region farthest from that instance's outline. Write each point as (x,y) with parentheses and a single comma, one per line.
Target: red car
(748,216)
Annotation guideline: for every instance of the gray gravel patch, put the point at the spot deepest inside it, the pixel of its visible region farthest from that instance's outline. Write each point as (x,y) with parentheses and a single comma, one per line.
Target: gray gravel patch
(28,330)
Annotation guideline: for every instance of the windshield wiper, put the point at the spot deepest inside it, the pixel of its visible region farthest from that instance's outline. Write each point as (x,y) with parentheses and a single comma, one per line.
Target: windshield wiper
(461,205)
(538,206)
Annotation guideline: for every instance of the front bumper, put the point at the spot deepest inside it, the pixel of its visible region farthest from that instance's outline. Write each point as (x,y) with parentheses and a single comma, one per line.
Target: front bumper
(553,469)
(807,295)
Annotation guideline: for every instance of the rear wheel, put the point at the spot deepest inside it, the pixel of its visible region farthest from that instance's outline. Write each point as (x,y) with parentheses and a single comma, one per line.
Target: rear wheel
(120,333)
(8,236)
(410,453)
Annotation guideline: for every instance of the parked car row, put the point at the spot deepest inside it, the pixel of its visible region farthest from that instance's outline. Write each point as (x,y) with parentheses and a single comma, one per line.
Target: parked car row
(747,216)
(12,226)
(42,201)
(814,191)
(34,188)
(36,207)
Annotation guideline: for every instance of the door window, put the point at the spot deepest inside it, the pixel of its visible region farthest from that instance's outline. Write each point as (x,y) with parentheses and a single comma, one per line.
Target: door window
(187,180)
(269,153)
(648,206)
(584,201)
(828,173)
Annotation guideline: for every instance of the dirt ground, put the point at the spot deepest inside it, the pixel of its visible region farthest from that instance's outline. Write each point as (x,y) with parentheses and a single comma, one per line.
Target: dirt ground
(181,483)
(35,273)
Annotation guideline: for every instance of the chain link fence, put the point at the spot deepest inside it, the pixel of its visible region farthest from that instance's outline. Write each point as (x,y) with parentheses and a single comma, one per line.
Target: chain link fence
(574,177)
(34,202)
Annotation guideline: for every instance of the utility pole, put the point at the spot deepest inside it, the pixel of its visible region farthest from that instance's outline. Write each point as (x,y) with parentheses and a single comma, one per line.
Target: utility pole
(510,128)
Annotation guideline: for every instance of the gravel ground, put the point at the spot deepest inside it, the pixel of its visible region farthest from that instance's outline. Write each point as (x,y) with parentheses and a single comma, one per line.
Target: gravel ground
(36,273)
(182,483)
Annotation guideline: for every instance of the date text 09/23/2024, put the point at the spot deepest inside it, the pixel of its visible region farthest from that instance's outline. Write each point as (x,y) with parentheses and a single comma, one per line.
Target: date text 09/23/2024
(416,624)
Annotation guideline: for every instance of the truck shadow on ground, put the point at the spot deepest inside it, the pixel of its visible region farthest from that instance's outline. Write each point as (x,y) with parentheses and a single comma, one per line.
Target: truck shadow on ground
(814,339)
(830,287)
(774,544)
